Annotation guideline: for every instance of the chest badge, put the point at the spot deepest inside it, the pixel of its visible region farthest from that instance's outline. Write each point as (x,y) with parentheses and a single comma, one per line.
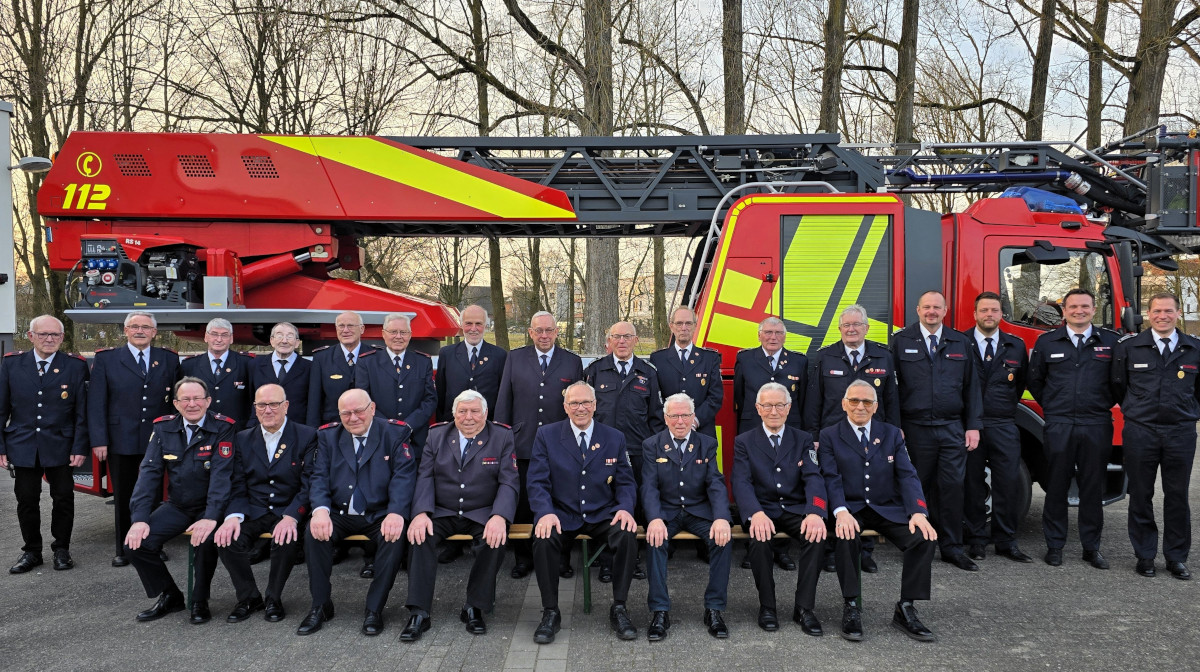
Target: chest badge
(64,394)
(1180,374)
(1010,377)
(876,382)
(661,460)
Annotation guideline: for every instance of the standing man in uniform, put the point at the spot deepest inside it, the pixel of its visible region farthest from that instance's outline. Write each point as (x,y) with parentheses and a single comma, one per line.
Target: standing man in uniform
(852,452)
(275,463)
(194,451)
(755,367)
(532,385)
(1156,379)
(1001,365)
(225,372)
(685,367)
(472,364)
(778,488)
(580,482)
(1070,371)
(400,380)
(333,369)
(627,398)
(940,406)
(699,504)
(466,484)
(286,368)
(130,387)
(362,483)
(43,414)
(830,372)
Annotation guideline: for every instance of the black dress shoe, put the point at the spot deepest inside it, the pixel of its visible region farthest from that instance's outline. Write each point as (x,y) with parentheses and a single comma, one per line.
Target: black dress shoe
(1096,559)
(767,619)
(745,563)
(368,570)
(785,562)
(961,561)
(62,560)
(867,563)
(639,572)
(1013,553)
(372,623)
(1054,557)
(242,610)
(852,622)
(473,617)
(417,624)
(1179,570)
(162,555)
(521,570)
(660,622)
(167,603)
(120,561)
(829,564)
(551,623)
(566,572)
(905,620)
(1145,566)
(976,551)
(808,621)
(605,574)
(315,619)
(274,611)
(26,562)
(715,622)
(200,613)
(618,616)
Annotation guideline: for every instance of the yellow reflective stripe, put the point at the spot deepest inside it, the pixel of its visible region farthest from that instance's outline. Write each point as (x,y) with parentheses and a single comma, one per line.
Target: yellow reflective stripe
(719,266)
(734,331)
(813,261)
(739,289)
(395,164)
(797,342)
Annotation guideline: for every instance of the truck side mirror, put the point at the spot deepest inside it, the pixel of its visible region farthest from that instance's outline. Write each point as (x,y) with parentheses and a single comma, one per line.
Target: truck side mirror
(1130,320)
(1043,252)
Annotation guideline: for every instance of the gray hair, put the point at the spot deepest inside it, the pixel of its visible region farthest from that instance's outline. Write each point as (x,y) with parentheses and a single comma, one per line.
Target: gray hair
(680,398)
(771,321)
(540,313)
(392,317)
(140,313)
(186,380)
(854,308)
(46,317)
(468,395)
(860,383)
(772,387)
(579,383)
(289,325)
(219,323)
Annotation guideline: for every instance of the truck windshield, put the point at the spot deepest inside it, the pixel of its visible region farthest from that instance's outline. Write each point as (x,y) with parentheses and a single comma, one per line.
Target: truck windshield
(1032,293)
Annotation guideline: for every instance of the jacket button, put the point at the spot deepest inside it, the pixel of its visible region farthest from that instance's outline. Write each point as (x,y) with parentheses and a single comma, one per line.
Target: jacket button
(462,485)
(681,482)
(778,485)
(583,487)
(351,487)
(460,499)
(583,473)
(778,469)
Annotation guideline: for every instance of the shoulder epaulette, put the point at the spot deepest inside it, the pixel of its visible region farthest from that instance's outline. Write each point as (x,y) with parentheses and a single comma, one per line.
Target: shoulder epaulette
(226,418)
(78,356)
(13,353)
(1126,337)
(164,418)
(701,347)
(439,424)
(397,422)
(367,353)
(648,363)
(106,349)
(1114,332)
(367,347)
(194,356)
(247,354)
(321,349)
(418,352)
(173,352)
(501,424)
(330,424)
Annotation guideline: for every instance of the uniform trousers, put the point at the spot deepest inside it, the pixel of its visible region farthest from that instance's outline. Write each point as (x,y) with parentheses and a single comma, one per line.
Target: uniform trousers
(27,486)
(1079,452)
(167,522)
(808,566)
(915,578)
(939,453)
(1147,448)
(658,598)
(547,557)
(522,548)
(236,558)
(422,568)
(1000,449)
(319,555)
(123,474)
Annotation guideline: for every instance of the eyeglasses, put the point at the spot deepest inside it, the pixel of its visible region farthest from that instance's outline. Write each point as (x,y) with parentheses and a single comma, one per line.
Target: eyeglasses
(47,334)
(622,337)
(773,332)
(685,323)
(283,337)
(190,400)
(544,331)
(679,416)
(138,328)
(581,404)
(346,327)
(860,402)
(220,334)
(775,407)
(273,405)
(397,332)
(358,412)
(853,325)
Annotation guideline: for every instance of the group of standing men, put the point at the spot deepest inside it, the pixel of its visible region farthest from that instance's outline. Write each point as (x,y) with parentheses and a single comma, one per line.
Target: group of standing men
(257,445)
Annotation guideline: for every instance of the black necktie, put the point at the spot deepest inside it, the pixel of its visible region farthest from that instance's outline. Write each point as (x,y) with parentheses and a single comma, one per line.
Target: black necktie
(192,429)
(932,345)
(623,369)
(544,364)
(397,362)
(1166,351)
(142,363)
(583,445)
(775,441)
(854,359)
(679,443)
(862,438)
(41,368)
(474,357)
(216,367)
(358,444)
(350,359)
(683,356)
(988,352)
(1079,345)
(282,369)
(771,362)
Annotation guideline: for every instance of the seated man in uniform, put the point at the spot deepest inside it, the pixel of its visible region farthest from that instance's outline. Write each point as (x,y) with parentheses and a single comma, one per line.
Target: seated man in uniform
(194,450)
(872,483)
(466,484)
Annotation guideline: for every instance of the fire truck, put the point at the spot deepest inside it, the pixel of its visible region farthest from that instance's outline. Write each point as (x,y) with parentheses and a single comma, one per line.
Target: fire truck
(249,227)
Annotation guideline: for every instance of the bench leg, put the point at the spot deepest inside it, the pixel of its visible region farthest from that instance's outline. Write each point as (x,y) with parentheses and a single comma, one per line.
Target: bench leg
(588,559)
(191,572)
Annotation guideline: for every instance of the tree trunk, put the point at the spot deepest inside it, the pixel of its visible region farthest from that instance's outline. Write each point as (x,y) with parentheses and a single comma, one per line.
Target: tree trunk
(571,317)
(662,334)
(1095,100)
(831,73)
(495,263)
(731,61)
(603,254)
(1150,67)
(1036,115)
(906,71)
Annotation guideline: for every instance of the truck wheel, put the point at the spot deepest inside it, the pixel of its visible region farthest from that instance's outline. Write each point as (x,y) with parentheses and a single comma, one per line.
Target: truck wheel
(1026,493)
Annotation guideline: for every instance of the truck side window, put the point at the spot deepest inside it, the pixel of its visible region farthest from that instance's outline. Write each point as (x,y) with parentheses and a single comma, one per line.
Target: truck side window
(1031,293)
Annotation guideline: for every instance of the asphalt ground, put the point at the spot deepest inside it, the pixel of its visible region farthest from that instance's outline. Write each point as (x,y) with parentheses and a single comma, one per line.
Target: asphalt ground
(1007,616)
